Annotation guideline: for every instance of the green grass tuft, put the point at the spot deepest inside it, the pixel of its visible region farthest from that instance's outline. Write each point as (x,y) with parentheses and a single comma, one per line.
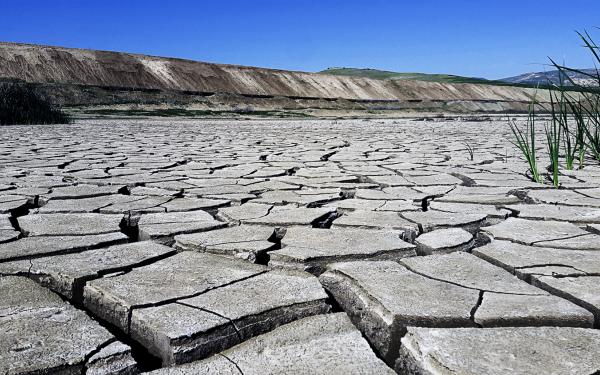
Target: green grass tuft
(575,119)
(525,141)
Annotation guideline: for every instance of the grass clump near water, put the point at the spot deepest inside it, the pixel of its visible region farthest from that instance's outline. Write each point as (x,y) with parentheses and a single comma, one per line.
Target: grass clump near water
(573,131)
(21,104)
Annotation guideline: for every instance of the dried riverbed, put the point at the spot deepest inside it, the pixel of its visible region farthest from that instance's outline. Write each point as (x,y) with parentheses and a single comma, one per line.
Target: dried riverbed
(358,246)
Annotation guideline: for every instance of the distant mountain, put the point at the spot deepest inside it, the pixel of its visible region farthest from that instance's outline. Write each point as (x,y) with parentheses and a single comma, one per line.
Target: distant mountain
(553,76)
(384,74)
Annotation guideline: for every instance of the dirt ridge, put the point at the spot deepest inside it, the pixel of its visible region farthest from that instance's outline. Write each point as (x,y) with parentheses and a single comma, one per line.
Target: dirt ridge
(67,66)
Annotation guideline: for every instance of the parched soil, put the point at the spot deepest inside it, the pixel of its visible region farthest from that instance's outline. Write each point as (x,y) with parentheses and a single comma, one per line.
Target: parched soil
(292,246)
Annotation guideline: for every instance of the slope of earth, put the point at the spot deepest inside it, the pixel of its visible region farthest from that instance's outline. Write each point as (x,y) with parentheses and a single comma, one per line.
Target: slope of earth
(75,77)
(386,74)
(355,247)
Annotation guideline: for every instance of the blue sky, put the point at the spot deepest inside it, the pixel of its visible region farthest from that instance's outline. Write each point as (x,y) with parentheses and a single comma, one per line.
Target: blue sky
(485,38)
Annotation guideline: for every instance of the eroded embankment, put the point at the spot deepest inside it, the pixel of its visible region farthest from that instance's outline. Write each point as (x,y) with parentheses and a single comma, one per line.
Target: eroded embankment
(89,77)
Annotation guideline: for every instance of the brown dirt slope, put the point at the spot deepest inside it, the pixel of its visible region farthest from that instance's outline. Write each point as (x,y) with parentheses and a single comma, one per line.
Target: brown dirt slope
(57,65)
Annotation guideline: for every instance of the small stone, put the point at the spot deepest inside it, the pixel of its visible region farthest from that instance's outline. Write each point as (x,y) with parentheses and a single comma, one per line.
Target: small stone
(444,241)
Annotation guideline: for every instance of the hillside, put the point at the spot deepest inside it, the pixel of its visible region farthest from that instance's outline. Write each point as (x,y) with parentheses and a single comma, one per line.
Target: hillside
(384,74)
(554,77)
(76,77)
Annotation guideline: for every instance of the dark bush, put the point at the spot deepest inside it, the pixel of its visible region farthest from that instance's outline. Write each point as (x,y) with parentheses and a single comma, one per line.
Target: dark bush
(21,104)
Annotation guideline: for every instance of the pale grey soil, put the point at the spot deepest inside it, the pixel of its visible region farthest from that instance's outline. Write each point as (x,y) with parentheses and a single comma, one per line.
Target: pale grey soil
(300,247)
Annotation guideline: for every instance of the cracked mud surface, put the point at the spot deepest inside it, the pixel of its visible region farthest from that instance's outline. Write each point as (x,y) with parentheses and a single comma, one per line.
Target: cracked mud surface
(355,247)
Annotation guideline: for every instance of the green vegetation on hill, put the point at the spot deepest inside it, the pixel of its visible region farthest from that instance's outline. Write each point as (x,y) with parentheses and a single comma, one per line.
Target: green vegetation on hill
(384,74)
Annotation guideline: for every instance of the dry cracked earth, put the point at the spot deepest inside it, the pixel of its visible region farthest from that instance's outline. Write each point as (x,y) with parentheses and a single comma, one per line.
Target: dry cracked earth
(300,247)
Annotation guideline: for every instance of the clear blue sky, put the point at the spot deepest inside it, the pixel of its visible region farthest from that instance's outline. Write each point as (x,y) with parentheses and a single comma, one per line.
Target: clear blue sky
(484,38)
